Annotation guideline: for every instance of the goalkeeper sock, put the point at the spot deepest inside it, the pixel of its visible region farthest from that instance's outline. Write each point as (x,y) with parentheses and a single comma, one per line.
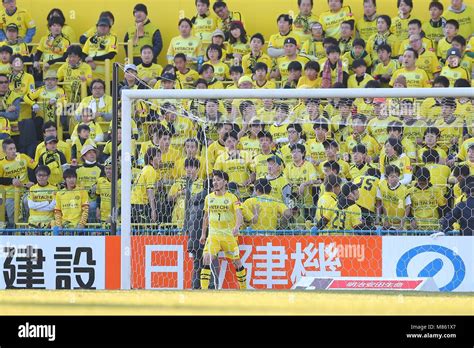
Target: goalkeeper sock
(205,277)
(242,277)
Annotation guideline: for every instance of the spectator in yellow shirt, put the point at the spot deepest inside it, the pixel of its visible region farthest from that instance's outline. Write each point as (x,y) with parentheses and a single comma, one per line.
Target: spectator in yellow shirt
(73,73)
(52,47)
(100,47)
(304,20)
(453,71)
(15,42)
(276,42)
(464,14)
(72,203)
(415,77)
(22,18)
(41,200)
(310,78)
(450,31)
(262,212)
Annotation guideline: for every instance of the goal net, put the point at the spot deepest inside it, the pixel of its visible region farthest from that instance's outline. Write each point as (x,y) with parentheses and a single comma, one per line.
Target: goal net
(317,174)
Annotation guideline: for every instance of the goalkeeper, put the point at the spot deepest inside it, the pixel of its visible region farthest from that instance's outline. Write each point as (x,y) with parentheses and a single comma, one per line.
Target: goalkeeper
(223,216)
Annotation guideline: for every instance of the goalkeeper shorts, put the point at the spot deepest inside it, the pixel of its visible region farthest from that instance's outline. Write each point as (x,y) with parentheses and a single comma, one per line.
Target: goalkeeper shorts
(226,243)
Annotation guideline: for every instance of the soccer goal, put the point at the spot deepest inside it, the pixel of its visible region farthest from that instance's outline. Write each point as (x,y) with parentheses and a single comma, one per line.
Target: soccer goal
(320,176)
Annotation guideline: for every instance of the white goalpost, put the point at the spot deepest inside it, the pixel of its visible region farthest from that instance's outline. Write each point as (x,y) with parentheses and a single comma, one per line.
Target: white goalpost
(128,96)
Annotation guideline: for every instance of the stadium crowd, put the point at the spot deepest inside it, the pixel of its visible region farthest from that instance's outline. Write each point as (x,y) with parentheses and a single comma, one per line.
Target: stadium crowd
(335,164)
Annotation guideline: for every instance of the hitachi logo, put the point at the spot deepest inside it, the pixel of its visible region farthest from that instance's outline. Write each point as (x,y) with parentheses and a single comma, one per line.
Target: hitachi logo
(37,331)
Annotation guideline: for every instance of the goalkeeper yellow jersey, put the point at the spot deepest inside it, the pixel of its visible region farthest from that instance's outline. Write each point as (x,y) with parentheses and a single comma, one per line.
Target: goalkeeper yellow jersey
(38,194)
(367,191)
(70,203)
(270,213)
(146,180)
(394,200)
(222,212)
(326,203)
(425,203)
